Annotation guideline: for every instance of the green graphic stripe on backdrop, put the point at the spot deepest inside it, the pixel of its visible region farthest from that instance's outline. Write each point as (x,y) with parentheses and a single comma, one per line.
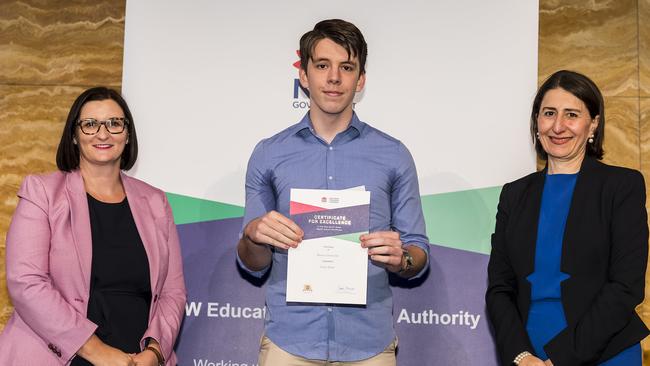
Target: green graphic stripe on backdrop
(353,237)
(461,220)
(189,209)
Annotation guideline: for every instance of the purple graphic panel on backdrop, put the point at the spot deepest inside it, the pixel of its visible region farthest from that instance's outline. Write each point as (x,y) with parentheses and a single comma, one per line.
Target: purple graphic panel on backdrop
(224,313)
(440,322)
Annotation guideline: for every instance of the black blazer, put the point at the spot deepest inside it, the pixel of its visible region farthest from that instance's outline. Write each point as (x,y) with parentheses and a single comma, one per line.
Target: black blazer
(604,251)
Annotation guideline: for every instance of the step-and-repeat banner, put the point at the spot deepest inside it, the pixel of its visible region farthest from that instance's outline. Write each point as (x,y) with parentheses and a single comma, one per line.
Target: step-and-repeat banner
(453,80)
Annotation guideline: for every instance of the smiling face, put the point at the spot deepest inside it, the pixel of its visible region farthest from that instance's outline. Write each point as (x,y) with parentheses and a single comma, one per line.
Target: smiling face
(564,125)
(102,148)
(333,78)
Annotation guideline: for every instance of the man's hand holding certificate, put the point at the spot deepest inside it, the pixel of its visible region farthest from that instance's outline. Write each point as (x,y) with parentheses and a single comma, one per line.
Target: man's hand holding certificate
(329,265)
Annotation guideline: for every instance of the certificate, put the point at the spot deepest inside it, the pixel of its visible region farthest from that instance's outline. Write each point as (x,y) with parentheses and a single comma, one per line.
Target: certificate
(329,265)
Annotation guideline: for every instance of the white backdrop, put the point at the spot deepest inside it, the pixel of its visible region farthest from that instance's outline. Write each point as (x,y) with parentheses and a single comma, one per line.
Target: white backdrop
(206,80)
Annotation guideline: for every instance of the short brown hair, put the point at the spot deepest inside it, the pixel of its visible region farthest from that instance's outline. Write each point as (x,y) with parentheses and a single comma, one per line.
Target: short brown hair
(343,33)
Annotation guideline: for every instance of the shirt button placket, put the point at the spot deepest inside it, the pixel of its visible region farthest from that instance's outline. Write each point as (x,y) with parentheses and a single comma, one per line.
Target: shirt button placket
(331,334)
(330,167)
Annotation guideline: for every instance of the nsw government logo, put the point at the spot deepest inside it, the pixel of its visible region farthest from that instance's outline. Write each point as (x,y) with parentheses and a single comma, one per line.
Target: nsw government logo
(300,95)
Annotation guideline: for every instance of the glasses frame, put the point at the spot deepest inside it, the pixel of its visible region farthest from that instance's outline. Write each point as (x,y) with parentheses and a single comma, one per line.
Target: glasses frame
(103,123)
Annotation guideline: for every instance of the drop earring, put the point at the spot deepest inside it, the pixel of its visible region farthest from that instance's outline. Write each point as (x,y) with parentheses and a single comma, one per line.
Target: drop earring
(591,139)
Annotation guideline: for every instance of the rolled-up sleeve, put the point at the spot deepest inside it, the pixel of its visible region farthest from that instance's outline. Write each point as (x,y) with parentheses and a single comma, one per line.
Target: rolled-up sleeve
(406,206)
(260,197)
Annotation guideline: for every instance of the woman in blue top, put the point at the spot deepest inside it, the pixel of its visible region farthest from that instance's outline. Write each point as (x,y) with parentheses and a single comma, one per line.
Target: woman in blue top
(570,246)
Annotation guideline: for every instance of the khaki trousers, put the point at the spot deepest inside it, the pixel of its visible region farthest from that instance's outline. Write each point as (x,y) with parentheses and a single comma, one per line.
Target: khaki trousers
(272,355)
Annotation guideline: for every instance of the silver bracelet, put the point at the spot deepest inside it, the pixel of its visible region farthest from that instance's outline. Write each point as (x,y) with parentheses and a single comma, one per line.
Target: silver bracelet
(520,357)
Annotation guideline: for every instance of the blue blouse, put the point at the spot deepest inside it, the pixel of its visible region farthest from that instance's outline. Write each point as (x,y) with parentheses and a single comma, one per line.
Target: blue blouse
(546,315)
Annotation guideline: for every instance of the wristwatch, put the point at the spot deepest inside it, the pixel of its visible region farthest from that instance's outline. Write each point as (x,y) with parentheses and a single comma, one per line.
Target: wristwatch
(407,261)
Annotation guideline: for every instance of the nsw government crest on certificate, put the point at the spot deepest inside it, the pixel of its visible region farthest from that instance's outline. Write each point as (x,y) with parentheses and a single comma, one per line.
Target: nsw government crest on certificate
(329,265)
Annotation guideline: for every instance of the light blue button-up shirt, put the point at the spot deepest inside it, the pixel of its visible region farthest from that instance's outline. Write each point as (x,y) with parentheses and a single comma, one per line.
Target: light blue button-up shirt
(360,155)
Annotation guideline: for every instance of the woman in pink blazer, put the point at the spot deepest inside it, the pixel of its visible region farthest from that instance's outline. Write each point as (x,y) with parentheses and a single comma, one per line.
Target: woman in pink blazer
(93,261)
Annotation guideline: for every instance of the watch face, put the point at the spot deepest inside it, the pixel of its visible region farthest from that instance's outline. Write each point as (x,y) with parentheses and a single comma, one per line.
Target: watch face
(408,261)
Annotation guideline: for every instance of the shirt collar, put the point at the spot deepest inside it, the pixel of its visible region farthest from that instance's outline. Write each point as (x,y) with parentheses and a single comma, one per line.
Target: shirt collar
(354,130)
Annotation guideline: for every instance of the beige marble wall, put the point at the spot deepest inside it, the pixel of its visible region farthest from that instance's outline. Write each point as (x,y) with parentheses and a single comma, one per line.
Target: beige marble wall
(608,40)
(598,38)
(644,48)
(50,51)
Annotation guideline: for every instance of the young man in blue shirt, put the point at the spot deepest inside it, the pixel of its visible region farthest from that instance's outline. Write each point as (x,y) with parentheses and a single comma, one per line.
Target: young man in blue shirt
(330,148)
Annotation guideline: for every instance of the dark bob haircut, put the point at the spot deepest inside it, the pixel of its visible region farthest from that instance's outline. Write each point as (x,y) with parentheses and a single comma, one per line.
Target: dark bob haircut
(67,154)
(582,88)
(343,33)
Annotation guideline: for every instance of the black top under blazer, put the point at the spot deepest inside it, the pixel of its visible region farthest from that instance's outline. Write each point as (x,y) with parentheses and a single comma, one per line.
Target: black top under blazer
(604,251)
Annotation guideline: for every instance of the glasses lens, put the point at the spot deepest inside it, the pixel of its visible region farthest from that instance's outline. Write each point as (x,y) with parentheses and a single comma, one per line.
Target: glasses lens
(89,125)
(115,125)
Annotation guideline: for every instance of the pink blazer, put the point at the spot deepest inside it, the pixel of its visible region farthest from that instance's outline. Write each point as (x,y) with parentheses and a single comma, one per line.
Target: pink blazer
(49,252)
